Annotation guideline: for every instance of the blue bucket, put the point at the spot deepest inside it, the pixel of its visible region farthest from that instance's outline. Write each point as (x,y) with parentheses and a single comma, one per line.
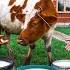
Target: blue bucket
(36,67)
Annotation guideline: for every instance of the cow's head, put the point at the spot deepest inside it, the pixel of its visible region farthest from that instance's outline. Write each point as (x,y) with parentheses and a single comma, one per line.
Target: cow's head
(36,19)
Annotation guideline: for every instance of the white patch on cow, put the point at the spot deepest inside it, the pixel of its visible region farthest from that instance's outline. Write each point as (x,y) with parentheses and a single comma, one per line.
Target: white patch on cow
(19,2)
(4,9)
(29,11)
(13,27)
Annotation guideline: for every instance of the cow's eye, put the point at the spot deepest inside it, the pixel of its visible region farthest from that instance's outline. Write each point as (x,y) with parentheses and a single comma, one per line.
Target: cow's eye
(35,24)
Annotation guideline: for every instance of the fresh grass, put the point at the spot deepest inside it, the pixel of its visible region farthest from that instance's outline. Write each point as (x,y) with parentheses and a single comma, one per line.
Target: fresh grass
(39,53)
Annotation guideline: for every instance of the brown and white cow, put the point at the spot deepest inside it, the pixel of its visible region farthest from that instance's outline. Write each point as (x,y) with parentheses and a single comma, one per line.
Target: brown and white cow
(35,18)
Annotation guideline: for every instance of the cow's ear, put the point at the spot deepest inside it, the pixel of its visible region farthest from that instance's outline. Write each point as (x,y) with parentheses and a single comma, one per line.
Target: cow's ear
(11,2)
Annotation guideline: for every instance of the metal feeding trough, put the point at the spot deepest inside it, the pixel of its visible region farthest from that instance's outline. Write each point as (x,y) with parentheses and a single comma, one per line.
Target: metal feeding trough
(61,64)
(6,65)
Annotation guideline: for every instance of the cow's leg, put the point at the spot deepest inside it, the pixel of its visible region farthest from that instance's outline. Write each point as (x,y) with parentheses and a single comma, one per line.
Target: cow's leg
(47,42)
(10,51)
(29,54)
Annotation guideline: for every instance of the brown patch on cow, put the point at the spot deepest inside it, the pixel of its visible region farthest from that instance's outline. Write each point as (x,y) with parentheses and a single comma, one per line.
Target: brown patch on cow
(13,17)
(20,17)
(16,11)
(24,5)
(11,2)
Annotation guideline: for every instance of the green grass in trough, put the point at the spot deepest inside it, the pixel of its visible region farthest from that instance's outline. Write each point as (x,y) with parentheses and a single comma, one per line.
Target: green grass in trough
(39,53)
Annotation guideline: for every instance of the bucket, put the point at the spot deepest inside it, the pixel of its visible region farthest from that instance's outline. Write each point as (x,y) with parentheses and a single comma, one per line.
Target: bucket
(6,65)
(35,67)
(61,64)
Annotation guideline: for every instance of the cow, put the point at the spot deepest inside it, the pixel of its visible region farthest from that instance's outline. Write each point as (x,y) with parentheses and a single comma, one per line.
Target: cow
(31,20)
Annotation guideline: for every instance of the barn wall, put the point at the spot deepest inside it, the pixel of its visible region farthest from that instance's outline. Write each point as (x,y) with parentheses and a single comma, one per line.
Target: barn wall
(62,17)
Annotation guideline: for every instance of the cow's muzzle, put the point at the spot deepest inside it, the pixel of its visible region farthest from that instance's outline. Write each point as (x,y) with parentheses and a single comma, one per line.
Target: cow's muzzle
(22,42)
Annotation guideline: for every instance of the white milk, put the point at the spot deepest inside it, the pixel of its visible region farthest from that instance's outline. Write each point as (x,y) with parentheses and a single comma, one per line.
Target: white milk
(36,69)
(4,63)
(62,63)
